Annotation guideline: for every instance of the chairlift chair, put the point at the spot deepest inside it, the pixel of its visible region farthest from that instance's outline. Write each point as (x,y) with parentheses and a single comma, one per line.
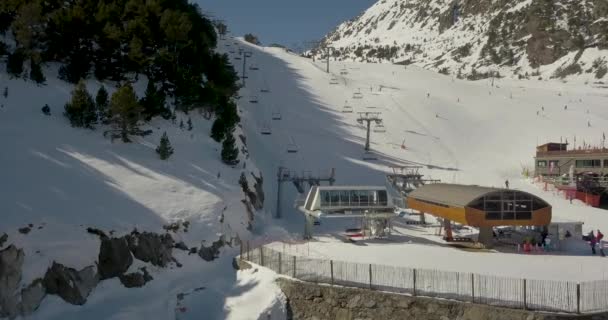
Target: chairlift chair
(343,71)
(253,99)
(379,128)
(266,130)
(334,81)
(254,67)
(237,58)
(358,95)
(292,147)
(276,116)
(265,90)
(347,108)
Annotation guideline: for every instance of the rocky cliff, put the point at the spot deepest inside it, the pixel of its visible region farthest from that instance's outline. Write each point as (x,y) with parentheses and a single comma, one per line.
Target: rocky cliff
(480,38)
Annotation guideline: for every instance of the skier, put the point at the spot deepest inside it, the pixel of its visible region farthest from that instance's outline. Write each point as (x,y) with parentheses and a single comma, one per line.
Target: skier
(543,108)
(537,112)
(428,95)
(592,241)
(588,123)
(507,184)
(566,107)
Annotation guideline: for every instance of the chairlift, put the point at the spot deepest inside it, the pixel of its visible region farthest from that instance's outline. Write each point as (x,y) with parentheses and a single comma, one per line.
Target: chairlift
(343,71)
(347,108)
(369,156)
(276,115)
(292,147)
(358,95)
(265,90)
(379,128)
(254,67)
(253,99)
(266,130)
(237,58)
(232,52)
(334,81)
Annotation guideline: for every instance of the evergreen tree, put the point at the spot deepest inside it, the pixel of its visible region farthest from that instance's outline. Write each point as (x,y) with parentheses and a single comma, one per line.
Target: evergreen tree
(189,124)
(46,110)
(218,130)
(36,72)
(164,149)
(102,102)
(14,63)
(173,116)
(230,153)
(154,103)
(125,112)
(80,110)
(181,124)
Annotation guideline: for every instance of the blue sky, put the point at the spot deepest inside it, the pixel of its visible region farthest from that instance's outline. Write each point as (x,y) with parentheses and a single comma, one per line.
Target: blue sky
(284,21)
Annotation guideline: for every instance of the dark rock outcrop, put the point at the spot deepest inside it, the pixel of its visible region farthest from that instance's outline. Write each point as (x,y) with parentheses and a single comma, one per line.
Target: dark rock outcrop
(72,286)
(181,246)
(114,257)
(97,232)
(151,247)
(25,230)
(31,297)
(212,252)
(3,239)
(132,280)
(11,261)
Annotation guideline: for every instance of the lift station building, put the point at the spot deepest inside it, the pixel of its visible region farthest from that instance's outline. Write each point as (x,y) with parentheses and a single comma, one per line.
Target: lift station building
(480,207)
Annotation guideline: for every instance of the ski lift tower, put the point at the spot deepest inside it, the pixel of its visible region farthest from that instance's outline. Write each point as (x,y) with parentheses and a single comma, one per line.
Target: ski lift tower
(368,118)
(299,181)
(327,49)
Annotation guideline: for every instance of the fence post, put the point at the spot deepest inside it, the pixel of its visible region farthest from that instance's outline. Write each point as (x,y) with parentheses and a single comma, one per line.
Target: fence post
(414,276)
(248,248)
(331,269)
(578,298)
(280,264)
(525,296)
(261,256)
(370,276)
(241,247)
(473,286)
(294,267)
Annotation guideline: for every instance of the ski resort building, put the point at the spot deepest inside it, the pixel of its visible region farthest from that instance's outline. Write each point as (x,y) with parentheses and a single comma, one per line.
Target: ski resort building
(554,159)
(580,173)
(371,203)
(480,207)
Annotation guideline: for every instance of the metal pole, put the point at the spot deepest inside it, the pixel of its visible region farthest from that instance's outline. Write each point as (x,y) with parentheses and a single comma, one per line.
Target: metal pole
(414,278)
(367,139)
(280,263)
(473,286)
(578,298)
(331,269)
(294,267)
(262,256)
(370,276)
(525,297)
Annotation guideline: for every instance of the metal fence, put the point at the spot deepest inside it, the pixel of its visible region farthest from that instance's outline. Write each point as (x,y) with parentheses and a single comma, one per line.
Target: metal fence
(540,295)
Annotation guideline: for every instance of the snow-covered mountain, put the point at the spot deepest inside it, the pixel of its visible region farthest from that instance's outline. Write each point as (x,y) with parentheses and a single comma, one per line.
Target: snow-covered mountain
(478,38)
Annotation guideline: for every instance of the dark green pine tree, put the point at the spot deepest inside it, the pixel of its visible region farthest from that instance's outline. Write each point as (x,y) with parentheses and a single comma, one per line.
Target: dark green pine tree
(81,108)
(14,63)
(154,103)
(164,150)
(181,124)
(102,102)
(230,152)
(218,130)
(36,72)
(189,124)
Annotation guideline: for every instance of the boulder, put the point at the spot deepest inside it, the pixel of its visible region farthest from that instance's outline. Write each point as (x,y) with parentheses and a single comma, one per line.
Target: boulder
(181,246)
(151,247)
(11,261)
(136,279)
(72,286)
(213,252)
(31,297)
(132,280)
(114,257)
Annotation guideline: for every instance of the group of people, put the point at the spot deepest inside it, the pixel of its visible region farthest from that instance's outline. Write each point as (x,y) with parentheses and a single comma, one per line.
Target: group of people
(596,240)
